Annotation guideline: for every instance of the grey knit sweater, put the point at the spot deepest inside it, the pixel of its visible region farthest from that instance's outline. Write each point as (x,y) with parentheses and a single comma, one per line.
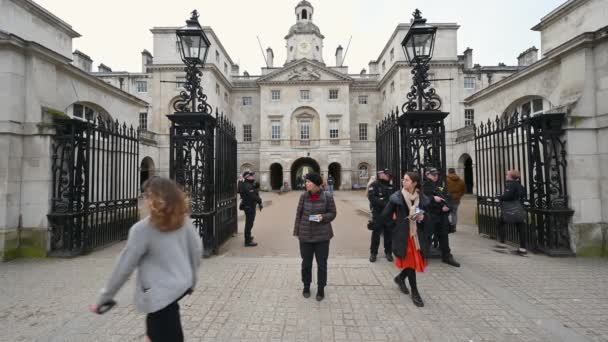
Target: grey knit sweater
(166,263)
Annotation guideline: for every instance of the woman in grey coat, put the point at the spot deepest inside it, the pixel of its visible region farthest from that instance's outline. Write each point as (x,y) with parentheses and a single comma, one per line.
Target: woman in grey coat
(316,210)
(166,250)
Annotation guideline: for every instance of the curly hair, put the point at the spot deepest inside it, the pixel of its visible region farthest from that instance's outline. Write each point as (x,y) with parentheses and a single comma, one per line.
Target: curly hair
(168,204)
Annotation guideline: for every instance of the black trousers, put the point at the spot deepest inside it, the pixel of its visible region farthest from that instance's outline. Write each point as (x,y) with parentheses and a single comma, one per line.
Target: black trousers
(165,325)
(381,229)
(437,226)
(249,218)
(521,231)
(320,250)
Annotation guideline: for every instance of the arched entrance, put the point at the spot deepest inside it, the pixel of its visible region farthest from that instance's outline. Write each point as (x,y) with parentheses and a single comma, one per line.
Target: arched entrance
(276,176)
(335,170)
(299,169)
(466,163)
(146,170)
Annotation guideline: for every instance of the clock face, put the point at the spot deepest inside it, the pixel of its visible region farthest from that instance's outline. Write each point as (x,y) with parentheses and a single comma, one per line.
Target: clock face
(304,47)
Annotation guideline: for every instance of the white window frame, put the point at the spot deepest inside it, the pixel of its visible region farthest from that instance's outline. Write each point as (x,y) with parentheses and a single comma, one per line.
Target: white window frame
(275,129)
(305,129)
(469,82)
(141,86)
(334,129)
(363,171)
(247,133)
(334,94)
(363,132)
(275,95)
(363,99)
(469,117)
(247,100)
(305,94)
(143,121)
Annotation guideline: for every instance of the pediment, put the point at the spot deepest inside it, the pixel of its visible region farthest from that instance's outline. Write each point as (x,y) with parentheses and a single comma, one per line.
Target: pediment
(304,71)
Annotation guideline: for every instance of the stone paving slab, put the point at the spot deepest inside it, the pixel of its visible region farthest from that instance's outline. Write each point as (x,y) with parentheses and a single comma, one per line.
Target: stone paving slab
(244,297)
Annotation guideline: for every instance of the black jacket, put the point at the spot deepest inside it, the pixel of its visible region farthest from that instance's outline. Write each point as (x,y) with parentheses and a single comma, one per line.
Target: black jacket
(514,191)
(378,194)
(401,231)
(249,194)
(431,189)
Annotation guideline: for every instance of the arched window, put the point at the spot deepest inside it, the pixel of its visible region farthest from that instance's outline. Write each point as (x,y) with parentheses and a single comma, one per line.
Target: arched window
(529,106)
(363,171)
(304,14)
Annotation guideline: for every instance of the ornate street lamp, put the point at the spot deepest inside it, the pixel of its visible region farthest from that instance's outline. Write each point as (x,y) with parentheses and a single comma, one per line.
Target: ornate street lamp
(193,48)
(418,46)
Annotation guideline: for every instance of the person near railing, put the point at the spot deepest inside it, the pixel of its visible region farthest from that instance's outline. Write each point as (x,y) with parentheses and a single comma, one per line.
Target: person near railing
(250,197)
(166,250)
(457,189)
(406,209)
(316,210)
(436,221)
(513,210)
(378,194)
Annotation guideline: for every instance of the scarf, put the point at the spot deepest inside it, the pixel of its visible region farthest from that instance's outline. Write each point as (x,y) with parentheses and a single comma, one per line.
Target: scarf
(412,201)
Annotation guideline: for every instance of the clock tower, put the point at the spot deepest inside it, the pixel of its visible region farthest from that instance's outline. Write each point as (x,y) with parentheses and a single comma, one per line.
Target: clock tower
(304,39)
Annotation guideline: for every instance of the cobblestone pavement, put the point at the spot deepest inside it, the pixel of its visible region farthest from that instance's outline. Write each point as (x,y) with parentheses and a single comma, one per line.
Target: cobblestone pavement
(254,294)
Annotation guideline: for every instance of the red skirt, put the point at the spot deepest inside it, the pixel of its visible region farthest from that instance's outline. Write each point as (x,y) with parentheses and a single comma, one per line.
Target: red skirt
(413,259)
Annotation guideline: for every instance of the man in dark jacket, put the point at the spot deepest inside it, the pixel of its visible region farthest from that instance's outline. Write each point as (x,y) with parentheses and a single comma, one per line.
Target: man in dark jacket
(436,221)
(250,197)
(378,194)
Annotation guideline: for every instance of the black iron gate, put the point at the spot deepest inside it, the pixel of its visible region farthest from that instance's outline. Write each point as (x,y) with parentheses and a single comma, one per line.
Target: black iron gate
(203,160)
(533,145)
(94,184)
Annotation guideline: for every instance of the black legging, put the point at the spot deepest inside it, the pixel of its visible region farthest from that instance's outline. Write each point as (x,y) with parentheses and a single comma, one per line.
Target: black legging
(521,231)
(410,274)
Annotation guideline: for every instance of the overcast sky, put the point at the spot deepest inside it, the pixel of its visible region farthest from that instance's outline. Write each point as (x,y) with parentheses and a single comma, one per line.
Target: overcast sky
(114,32)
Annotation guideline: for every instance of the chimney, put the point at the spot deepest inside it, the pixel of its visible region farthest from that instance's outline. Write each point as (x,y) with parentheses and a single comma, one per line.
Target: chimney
(146,59)
(363,72)
(528,57)
(246,73)
(339,56)
(82,61)
(468,58)
(270,57)
(103,68)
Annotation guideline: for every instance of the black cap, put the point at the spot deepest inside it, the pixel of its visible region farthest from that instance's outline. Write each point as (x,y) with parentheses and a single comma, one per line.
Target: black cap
(432,171)
(386,172)
(315,178)
(248,173)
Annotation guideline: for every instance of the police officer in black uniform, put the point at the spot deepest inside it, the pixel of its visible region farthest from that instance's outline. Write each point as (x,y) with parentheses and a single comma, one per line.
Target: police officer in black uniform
(378,194)
(250,197)
(436,220)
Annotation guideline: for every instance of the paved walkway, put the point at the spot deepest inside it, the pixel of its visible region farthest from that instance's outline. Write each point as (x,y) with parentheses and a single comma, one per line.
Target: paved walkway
(254,294)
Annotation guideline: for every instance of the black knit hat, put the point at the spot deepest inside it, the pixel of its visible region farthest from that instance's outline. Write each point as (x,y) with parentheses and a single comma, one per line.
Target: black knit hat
(314,177)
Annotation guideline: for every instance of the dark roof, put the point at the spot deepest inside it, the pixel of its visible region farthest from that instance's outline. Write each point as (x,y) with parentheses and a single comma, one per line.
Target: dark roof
(304,3)
(304,27)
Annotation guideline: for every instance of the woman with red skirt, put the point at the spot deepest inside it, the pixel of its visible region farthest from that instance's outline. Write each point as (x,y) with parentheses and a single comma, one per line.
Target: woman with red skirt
(405,208)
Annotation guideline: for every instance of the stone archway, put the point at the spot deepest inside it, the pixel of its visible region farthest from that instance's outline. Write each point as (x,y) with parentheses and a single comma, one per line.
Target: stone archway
(299,169)
(146,170)
(276,176)
(335,170)
(465,163)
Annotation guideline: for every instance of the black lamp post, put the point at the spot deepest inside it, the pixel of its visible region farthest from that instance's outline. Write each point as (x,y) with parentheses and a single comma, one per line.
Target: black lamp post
(418,46)
(193,48)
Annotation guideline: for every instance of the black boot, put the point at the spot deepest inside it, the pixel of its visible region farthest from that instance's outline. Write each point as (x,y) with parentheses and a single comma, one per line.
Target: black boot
(450,261)
(320,294)
(306,291)
(416,298)
(400,281)
(389,257)
(372,258)
(250,243)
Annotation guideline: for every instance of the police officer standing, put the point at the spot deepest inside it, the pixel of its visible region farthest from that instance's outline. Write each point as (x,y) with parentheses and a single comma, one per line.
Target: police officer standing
(436,221)
(250,197)
(378,194)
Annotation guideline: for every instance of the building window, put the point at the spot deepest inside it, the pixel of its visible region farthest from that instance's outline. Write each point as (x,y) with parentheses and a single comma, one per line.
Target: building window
(334,129)
(225,97)
(363,131)
(305,130)
(225,68)
(143,121)
(78,110)
(333,94)
(275,130)
(469,117)
(384,94)
(217,89)
(180,82)
(275,95)
(363,171)
(383,66)
(362,99)
(142,86)
(305,94)
(392,54)
(247,133)
(83,112)
(469,83)
(217,56)
(247,101)
(393,87)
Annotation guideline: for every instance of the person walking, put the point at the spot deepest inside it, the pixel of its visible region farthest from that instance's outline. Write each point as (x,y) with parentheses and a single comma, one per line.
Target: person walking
(407,208)
(378,194)
(316,210)
(250,197)
(330,182)
(166,250)
(457,189)
(436,220)
(513,211)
